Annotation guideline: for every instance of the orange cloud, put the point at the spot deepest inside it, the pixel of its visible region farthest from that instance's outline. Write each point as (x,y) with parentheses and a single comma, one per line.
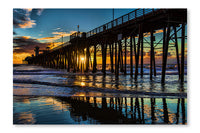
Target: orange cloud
(25,37)
(155,32)
(60,34)
(21,18)
(23,46)
(28,9)
(27,24)
(57,35)
(47,38)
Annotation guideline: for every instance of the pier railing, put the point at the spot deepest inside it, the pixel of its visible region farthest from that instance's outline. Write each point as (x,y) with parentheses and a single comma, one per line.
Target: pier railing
(77,34)
(134,15)
(60,46)
(121,20)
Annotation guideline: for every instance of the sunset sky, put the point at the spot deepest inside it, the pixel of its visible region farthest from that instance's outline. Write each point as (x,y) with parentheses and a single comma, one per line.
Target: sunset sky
(45,27)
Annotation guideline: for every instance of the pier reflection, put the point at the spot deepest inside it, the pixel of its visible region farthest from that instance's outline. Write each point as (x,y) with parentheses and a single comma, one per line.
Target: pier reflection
(125,110)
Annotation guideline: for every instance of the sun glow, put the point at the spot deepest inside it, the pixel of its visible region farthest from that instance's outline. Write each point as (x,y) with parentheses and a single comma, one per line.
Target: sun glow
(82,58)
(18,57)
(82,83)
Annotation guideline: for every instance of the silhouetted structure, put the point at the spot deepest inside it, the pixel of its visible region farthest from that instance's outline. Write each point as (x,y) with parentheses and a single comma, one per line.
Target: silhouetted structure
(125,110)
(129,27)
(36,50)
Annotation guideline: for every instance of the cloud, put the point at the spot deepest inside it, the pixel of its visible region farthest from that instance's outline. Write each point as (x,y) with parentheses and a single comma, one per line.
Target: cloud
(28,9)
(63,33)
(24,44)
(27,24)
(47,38)
(39,11)
(57,35)
(21,18)
(57,28)
(161,54)
(50,39)
(155,32)
(60,34)
(24,40)
(158,31)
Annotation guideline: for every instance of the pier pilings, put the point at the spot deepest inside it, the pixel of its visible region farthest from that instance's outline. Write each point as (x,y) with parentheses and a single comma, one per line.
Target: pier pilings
(123,44)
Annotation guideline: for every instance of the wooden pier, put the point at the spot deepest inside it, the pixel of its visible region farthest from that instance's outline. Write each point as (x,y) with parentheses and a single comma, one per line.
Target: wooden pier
(119,37)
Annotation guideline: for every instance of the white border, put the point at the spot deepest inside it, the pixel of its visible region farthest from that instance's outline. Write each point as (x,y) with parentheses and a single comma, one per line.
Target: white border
(6,64)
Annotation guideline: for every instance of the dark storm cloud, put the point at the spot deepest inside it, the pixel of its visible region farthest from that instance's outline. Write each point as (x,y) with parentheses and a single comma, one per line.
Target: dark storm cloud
(24,40)
(27,44)
(21,18)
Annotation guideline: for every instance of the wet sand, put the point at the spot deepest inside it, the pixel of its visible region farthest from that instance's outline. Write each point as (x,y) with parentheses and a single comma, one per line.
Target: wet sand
(85,97)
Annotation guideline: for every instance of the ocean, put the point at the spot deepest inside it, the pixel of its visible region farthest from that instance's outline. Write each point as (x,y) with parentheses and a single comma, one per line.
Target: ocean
(52,96)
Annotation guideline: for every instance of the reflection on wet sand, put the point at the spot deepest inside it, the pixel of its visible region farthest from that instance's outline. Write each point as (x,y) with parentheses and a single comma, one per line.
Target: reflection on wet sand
(105,110)
(97,99)
(24,118)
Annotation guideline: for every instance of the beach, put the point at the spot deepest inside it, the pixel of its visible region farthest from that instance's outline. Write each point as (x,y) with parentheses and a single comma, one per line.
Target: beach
(55,96)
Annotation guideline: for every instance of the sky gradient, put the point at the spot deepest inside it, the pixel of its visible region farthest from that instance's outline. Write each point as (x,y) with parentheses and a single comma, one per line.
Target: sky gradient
(45,27)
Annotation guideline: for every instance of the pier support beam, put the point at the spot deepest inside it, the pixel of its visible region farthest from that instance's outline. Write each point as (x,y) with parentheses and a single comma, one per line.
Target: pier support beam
(182,52)
(104,51)
(142,62)
(135,53)
(111,56)
(57,61)
(125,57)
(121,59)
(74,60)
(119,49)
(151,57)
(116,58)
(87,58)
(131,56)
(165,53)
(154,62)
(95,60)
(65,59)
(69,60)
